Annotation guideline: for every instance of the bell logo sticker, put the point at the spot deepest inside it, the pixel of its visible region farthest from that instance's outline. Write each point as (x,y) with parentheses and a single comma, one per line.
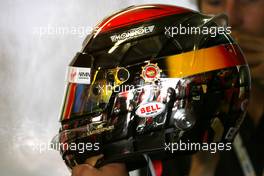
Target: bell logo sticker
(79,75)
(151,109)
(150,72)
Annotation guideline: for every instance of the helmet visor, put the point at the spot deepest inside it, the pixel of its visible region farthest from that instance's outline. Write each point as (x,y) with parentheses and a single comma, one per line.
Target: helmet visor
(89,97)
(90,91)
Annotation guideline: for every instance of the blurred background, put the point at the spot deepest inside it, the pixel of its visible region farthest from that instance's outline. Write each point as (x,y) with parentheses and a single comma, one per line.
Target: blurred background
(38,40)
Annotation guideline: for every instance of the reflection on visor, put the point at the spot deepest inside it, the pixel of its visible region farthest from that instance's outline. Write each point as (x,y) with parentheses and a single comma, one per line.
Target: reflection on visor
(83,99)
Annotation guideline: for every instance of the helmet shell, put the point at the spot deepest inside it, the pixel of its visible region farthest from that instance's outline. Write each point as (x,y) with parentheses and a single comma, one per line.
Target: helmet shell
(144,81)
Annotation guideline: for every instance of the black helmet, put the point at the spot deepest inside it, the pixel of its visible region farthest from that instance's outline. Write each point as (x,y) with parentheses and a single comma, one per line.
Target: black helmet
(150,76)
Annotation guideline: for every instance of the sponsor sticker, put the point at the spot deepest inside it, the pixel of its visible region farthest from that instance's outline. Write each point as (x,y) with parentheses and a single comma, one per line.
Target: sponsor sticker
(150,72)
(151,109)
(100,130)
(132,33)
(79,75)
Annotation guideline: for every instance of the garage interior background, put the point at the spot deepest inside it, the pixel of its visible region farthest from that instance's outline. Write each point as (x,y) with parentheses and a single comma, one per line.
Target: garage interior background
(33,63)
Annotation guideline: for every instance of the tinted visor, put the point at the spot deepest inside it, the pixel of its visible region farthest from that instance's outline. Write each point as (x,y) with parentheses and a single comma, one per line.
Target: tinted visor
(92,95)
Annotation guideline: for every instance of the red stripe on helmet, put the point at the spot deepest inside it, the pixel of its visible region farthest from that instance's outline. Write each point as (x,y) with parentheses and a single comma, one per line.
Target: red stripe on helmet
(157,164)
(138,14)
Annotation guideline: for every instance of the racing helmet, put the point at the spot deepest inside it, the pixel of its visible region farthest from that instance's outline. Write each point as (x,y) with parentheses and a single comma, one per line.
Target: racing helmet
(150,76)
